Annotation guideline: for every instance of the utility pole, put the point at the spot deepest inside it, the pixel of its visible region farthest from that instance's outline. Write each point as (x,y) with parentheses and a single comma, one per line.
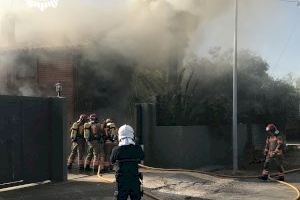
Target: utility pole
(234,87)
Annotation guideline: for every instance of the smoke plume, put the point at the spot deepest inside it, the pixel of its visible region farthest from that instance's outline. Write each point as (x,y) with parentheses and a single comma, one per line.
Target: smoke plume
(147,31)
(115,39)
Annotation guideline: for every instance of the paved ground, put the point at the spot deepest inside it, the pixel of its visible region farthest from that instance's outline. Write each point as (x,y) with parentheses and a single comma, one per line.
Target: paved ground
(191,186)
(167,185)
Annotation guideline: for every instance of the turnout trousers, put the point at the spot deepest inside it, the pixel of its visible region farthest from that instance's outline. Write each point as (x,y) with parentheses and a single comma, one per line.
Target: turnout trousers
(277,160)
(93,152)
(108,147)
(76,151)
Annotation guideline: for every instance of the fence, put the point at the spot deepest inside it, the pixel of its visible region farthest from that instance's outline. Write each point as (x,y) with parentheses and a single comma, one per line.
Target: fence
(32,139)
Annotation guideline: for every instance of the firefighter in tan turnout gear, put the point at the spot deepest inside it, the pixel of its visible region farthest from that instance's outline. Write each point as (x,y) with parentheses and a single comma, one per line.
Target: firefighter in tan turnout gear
(274,152)
(94,139)
(78,142)
(111,140)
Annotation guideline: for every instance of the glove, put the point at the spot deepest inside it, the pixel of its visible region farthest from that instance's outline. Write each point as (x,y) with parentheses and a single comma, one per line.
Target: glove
(141,176)
(277,152)
(266,152)
(272,154)
(115,137)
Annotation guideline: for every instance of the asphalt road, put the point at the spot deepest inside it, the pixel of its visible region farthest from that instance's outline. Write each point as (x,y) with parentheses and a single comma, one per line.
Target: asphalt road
(167,186)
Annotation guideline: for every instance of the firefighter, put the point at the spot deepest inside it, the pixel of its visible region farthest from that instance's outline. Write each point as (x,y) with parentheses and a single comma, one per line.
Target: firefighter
(127,155)
(76,134)
(111,140)
(108,120)
(273,152)
(94,139)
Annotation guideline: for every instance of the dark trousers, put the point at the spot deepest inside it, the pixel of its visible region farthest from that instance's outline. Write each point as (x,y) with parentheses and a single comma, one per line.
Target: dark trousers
(129,187)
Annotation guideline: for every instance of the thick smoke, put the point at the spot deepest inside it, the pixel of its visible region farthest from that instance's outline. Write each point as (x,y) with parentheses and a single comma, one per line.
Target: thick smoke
(115,38)
(148,31)
(18,73)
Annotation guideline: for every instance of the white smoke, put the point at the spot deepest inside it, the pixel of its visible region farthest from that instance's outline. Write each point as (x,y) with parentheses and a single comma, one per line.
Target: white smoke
(149,33)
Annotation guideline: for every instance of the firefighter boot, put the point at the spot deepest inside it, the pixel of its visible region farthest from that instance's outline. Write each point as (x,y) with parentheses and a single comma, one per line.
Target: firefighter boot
(265,174)
(280,178)
(106,169)
(69,166)
(95,170)
(263,177)
(81,168)
(102,169)
(111,168)
(87,168)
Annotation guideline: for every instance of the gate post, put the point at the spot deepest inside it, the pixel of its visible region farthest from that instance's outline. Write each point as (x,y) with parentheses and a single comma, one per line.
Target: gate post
(58,169)
(145,123)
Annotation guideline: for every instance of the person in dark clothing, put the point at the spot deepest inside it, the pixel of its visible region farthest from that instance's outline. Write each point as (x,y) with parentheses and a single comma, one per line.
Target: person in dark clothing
(126,158)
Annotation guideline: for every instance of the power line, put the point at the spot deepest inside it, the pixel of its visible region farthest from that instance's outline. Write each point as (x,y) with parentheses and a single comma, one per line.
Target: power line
(294,1)
(293,30)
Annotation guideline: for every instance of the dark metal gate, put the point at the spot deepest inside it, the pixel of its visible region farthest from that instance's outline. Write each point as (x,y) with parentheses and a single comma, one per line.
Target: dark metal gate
(10,140)
(28,128)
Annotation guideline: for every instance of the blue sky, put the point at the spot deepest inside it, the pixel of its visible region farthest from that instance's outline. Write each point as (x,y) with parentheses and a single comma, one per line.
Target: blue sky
(271,28)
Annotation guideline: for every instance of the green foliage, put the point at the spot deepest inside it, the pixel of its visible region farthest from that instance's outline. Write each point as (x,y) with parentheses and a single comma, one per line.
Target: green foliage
(202,92)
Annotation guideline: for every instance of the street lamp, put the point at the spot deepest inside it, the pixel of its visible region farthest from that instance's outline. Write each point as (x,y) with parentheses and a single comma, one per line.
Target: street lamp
(234,90)
(58,89)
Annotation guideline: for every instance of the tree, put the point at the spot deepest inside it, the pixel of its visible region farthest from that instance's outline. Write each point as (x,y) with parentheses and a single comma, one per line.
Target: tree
(203,92)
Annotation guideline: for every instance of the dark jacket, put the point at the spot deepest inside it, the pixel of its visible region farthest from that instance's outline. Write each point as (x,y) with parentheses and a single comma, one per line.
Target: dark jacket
(126,158)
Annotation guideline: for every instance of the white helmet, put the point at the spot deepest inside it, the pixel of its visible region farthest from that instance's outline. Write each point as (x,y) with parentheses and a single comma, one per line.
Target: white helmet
(125,131)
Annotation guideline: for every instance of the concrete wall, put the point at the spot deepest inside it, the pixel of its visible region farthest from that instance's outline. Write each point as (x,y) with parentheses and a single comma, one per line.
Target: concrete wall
(193,146)
(258,136)
(186,146)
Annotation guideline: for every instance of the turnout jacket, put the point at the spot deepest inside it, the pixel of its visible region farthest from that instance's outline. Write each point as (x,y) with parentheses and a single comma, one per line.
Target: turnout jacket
(126,159)
(92,131)
(274,146)
(76,131)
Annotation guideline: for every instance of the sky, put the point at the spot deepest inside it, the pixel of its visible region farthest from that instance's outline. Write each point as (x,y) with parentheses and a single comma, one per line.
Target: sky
(270,28)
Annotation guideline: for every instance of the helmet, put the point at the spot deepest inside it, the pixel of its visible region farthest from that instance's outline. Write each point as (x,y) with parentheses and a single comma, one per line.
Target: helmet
(125,131)
(82,117)
(93,117)
(272,128)
(108,120)
(111,125)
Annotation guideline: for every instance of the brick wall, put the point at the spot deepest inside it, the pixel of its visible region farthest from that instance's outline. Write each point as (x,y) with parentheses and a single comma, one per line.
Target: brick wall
(53,69)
